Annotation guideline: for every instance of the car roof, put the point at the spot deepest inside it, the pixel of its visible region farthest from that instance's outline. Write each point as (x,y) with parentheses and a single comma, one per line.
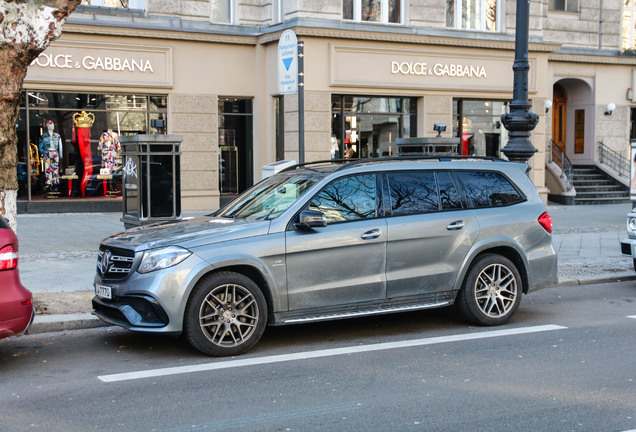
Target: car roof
(396,162)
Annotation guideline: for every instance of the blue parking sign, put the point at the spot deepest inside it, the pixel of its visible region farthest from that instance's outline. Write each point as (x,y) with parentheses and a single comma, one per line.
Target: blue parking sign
(288,63)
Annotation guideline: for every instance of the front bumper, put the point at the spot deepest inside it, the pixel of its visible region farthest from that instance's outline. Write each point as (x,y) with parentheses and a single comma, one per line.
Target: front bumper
(135,312)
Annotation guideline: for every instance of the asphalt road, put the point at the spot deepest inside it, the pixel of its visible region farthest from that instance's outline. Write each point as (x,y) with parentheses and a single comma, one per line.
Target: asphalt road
(566,362)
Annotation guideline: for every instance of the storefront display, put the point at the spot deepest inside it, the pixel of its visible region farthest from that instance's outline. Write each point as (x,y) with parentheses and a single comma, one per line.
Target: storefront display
(77,155)
(367,127)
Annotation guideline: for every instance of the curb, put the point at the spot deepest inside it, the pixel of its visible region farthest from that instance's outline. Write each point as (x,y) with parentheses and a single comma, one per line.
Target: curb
(597,279)
(62,322)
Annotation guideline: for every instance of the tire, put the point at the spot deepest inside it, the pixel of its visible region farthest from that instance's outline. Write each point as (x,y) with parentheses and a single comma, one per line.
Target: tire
(634,264)
(492,291)
(226,314)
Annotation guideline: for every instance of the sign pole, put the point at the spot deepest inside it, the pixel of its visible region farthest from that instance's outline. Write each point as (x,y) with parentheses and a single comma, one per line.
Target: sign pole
(301,102)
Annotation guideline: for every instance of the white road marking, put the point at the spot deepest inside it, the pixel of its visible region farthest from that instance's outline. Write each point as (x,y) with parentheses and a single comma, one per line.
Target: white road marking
(631,316)
(153,373)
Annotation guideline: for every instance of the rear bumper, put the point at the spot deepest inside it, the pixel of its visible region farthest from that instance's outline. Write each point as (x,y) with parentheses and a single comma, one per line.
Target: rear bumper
(16,326)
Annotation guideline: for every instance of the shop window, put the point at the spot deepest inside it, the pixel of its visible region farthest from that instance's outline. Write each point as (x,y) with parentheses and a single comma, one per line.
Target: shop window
(478,124)
(235,145)
(563,5)
(127,4)
(380,11)
(367,127)
(68,143)
(481,15)
(221,11)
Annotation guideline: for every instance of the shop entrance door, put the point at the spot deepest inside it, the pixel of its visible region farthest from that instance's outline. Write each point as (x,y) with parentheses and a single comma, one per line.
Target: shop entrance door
(235,147)
(558,116)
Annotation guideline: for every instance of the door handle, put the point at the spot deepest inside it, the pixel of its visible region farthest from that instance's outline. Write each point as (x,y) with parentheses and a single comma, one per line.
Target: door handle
(371,234)
(457,225)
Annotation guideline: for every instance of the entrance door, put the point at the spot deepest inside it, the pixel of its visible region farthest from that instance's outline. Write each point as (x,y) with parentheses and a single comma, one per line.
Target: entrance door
(558,116)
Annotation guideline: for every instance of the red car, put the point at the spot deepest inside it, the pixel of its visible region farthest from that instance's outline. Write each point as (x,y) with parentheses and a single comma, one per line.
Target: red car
(16,305)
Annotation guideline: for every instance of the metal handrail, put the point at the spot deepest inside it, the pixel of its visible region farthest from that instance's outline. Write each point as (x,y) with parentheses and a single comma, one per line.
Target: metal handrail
(614,160)
(558,156)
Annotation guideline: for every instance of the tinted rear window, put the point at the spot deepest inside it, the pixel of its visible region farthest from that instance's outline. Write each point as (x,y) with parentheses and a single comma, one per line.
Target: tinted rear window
(3,222)
(488,189)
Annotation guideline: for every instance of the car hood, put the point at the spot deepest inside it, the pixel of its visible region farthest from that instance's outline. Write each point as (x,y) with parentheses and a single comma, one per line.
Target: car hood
(190,233)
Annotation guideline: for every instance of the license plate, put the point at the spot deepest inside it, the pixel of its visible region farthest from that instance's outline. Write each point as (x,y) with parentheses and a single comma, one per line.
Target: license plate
(103,291)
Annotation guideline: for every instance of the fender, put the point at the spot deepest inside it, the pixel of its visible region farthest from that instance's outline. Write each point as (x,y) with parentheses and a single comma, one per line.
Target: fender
(482,246)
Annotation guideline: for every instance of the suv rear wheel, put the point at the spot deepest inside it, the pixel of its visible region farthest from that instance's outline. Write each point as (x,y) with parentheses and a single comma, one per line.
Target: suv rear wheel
(492,291)
(226,314)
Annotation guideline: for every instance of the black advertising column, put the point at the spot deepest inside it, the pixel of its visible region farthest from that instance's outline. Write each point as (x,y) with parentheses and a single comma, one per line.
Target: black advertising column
(151,178)
(520,121)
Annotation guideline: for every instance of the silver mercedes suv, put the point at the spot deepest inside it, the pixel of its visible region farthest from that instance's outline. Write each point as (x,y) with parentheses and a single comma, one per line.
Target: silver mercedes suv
(329,240)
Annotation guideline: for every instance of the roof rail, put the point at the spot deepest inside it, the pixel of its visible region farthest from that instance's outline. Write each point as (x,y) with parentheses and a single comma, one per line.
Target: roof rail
(348,163)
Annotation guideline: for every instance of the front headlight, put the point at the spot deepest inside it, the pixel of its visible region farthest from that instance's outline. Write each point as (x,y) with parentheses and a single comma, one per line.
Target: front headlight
(157,259)
(631,224)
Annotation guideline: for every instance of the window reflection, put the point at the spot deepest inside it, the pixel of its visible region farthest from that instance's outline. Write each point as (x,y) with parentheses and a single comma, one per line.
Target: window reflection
(488,189)
(346,199)
(413,192)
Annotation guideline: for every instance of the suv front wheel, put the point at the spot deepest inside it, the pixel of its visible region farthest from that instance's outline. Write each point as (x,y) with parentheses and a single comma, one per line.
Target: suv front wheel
(492,291)
(226,314)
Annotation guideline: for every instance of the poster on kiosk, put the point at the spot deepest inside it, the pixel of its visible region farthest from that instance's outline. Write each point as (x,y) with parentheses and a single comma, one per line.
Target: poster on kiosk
(632,183)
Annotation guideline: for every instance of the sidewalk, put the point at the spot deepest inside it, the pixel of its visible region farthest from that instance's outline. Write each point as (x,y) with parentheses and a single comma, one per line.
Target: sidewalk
(58,253)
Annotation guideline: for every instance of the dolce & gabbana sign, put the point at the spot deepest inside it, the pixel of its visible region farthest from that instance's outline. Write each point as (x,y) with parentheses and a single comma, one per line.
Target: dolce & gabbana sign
(436,68)
(66,61)
(81,62)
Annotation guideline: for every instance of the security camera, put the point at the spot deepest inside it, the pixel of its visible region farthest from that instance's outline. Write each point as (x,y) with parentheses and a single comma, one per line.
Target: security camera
(439,128)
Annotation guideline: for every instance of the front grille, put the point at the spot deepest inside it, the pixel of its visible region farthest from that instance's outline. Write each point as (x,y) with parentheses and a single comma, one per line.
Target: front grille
(114,263)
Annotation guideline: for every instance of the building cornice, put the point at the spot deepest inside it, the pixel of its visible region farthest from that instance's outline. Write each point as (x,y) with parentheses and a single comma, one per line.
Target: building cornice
(203,31)
(419,39)
(235,39)
(591,59)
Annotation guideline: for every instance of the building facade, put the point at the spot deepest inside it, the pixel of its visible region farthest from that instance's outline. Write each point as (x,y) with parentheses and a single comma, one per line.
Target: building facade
(374,71)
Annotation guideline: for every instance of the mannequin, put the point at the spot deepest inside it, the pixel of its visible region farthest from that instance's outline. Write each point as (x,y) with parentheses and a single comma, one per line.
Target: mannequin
(83,122)
(51,149)
(110,148)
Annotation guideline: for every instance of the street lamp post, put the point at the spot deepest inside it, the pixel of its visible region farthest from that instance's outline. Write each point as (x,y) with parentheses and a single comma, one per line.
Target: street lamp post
(520,121)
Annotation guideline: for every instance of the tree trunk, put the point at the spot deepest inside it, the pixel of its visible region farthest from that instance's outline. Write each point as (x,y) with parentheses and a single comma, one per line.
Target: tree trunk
(26,29)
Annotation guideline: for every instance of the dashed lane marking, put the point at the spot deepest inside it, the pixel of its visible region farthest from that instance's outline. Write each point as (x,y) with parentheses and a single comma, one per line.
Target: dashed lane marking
(153,373)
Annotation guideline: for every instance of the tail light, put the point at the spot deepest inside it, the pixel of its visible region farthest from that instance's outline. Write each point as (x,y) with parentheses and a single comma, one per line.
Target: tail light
(545,220)
(8,257)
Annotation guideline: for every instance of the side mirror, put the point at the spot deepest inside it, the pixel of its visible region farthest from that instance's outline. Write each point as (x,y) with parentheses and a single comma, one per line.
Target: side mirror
(311,219)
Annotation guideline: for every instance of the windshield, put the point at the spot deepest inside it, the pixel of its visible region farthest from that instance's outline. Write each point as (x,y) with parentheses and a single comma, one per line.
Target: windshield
(269,198)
